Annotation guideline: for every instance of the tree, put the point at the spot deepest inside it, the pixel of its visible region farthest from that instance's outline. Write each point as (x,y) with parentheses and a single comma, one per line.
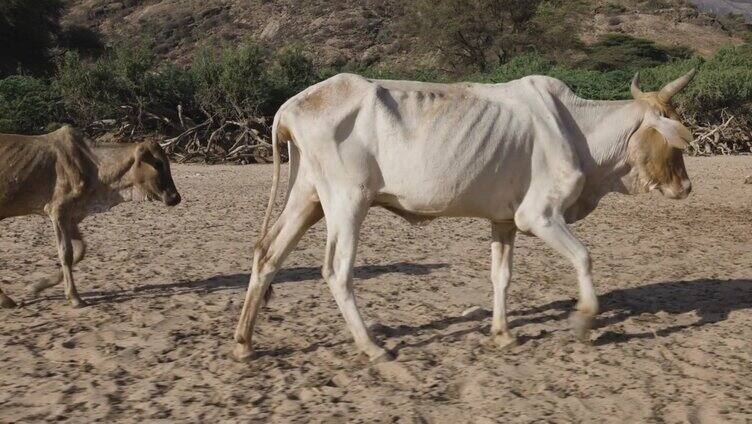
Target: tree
(28,30)
(479,33)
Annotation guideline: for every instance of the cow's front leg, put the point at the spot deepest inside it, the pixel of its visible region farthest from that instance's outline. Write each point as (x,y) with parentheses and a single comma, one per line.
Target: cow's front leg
(553,230)
(65,251)
(343,221)
(502,248)
(79,251)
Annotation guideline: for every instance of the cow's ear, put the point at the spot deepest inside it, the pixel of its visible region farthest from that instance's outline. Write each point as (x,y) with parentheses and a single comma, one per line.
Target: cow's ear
(140,152)
(676,134)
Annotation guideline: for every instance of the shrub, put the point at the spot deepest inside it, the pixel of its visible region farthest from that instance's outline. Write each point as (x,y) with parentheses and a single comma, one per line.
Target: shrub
(291,71)
(86,89)
(126,81)
(27,105)
(619,51)
(233,83)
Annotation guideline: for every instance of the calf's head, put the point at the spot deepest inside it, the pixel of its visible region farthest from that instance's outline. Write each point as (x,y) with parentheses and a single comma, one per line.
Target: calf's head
(654,152)
(151,174)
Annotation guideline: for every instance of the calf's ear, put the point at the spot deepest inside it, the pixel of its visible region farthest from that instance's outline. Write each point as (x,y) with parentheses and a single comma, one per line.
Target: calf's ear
(140,152)
(676,134)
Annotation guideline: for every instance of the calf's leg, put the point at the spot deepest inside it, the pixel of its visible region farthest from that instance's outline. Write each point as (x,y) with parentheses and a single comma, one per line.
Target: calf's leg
(63,231)
(344,214)
(300,213)
(553,230)
(502,248)
(79,251)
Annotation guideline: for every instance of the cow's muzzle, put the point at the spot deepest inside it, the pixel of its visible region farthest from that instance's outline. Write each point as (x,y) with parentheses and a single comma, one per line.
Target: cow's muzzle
(677,193)
(172,199)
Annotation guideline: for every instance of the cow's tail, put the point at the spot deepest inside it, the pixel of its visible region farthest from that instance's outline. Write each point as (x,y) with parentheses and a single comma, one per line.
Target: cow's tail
(280,133)
(275,177)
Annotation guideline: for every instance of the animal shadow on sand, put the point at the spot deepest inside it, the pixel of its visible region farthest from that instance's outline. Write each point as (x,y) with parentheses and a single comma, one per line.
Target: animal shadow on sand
(240,281)
(711,300)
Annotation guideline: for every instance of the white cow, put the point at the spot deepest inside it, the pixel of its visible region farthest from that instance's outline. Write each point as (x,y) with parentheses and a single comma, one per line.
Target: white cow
(527,155)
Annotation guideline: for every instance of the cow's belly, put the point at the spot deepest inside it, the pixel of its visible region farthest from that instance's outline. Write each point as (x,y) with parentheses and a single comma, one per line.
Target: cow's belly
(487,184)
(24,197)
(458,156)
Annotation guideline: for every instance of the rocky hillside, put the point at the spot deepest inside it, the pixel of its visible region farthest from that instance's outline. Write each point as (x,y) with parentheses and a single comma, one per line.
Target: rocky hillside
(362,31)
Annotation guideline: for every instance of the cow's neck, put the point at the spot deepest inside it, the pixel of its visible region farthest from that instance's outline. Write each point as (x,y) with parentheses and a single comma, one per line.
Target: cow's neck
(114,163)
(604,129)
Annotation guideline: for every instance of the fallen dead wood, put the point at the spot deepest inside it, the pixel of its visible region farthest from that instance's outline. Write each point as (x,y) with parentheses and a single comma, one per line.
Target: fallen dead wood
(721,132)
(216,139)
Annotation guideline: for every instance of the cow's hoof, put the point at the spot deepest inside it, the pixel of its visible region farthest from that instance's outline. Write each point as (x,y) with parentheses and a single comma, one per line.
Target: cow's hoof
(242,352)
(7,303)
(504,341)
(581,325)
(78,303)
(384,356)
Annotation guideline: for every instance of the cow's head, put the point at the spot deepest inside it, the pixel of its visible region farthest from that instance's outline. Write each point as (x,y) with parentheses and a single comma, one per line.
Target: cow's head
(151,174)
(655,148)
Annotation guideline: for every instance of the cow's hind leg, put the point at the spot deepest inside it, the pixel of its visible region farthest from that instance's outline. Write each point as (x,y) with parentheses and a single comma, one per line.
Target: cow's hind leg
(79,251)
(555,233)
(344,214)
(300,213)
(502,248)
(5,301)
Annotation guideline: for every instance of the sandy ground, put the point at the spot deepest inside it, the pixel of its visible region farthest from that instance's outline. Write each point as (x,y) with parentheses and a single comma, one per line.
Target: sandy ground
(673,343)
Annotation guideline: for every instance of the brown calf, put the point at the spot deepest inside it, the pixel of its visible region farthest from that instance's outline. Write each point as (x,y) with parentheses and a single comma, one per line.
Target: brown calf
(60,176)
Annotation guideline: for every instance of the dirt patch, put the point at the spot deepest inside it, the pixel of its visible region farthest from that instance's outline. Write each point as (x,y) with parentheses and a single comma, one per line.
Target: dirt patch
(166,286)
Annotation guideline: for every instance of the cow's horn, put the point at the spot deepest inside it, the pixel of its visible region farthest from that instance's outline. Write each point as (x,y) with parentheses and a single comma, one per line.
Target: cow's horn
(635,88)
(676,85)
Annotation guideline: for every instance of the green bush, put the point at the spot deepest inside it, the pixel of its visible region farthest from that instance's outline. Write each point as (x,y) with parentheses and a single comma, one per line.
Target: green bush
(620,51)
(586,83)
(248,80)
(27,105)
(86,89)
(724,81)
(291,72)
(127,80)
(233,83)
